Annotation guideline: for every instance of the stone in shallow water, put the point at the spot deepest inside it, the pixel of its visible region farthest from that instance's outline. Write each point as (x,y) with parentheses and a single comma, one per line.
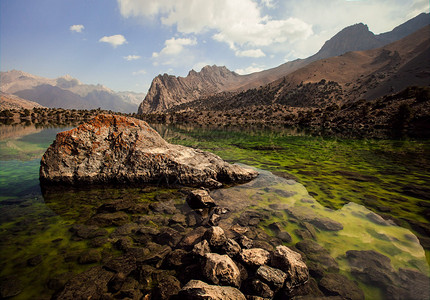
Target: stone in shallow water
(200,199)
(117,149)
(196,289)
(338,285)
(291,263)
(221,269)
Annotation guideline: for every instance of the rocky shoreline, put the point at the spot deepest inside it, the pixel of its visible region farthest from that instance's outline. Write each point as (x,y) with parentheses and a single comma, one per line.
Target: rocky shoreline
(189,256)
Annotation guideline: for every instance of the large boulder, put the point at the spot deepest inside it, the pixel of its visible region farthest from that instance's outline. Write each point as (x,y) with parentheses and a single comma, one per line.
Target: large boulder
(117,149)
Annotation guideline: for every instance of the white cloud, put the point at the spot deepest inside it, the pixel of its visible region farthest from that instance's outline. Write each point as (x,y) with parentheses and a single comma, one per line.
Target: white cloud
(77,28)
(172,47)
(250,53)
(132,57)
(235,22)
(140,72)
(114,40)
(251,69)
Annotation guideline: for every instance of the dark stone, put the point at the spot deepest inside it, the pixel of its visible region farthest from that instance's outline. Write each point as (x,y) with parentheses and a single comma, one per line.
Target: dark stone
(307,291)
(200,199)
(318,254)
(164,207)
(221,269)
(275,278)
(326,224)
(9,287)
(377,219)
(258,288)
(58,281)
(130,289)
(91,284)
(124,243)
(167,287)
(157,254)
(98,241)
(109,219)
(201,248)
(191,238)
(178,259)
(291,263)
(199,290)
(34,261)
(371,267)
(178,219)
(215,236)
(87,232)
(338,285)
(89,257)
(168,236)
(284,236)
(264,245)
(126,229)
(231,248)
(245,242)
(411,284)
(116,282)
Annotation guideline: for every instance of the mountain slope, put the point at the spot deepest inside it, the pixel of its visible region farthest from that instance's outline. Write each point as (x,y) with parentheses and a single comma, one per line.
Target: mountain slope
(67,92)
(9,101)
(167,91)
(337,81)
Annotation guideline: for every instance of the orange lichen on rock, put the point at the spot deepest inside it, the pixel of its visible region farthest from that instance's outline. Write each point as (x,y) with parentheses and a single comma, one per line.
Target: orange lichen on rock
(122,149)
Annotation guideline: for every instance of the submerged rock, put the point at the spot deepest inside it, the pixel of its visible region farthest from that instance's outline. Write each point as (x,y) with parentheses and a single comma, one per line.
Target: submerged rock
(117,149)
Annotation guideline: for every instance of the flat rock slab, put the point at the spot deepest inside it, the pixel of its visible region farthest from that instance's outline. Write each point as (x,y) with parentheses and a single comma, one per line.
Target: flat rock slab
(118,149)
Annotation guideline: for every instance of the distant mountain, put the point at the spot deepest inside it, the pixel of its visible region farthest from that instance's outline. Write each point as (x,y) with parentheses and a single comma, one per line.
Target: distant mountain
(67,92)
(336,81)
(167,91)
(9,101)
(358,37)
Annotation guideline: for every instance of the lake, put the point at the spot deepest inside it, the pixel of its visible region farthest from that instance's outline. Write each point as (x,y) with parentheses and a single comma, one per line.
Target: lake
(357,200)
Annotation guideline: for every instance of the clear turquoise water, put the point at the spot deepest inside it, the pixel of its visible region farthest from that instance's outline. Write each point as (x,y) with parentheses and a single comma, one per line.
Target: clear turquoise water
(345,179)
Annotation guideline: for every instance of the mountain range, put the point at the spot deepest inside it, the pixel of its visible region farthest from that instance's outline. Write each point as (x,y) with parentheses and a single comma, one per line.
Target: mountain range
(66,92)
(391,71)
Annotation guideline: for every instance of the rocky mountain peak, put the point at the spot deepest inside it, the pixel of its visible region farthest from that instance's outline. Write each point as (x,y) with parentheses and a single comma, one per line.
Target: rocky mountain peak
(167,90)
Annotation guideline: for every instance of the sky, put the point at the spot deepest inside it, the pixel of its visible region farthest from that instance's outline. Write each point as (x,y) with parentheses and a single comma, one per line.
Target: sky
(124,44)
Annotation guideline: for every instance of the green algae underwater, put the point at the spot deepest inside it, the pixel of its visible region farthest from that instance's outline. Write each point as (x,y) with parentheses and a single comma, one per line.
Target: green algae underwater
(302,177)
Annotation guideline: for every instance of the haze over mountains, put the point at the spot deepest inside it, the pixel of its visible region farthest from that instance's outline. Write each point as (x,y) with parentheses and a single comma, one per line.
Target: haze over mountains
(67,92)
(167,91)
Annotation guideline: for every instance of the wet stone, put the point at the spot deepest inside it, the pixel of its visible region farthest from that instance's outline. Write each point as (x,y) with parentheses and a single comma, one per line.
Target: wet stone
(199,290)
(201,248)
(231,248)
(98,241)
(254,257)
(34,261)
(200,199)
(318,254)
(275,278)
(221,269)
(87,232)
(109,219)
(90,284)
(338,285)
(166,287)
(264,245)
(291,263)
(124,243)
(191,238)
(168,236)
(178,258)
(9,287)
(258,288)
(215,236)
(89,257)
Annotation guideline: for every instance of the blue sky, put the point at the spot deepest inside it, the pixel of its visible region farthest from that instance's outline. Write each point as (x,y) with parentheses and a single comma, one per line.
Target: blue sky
(124,44)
